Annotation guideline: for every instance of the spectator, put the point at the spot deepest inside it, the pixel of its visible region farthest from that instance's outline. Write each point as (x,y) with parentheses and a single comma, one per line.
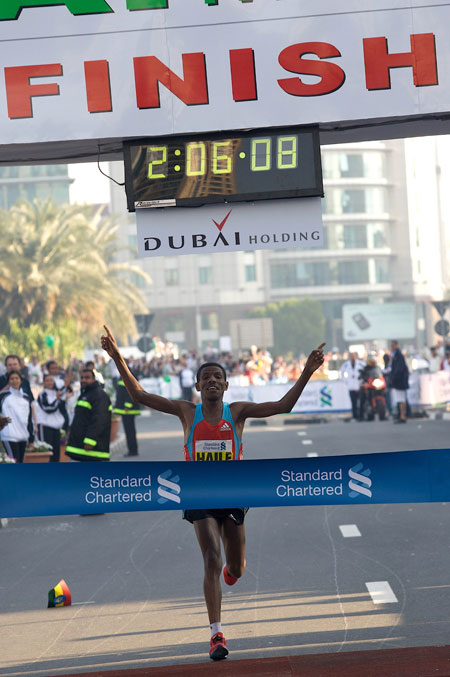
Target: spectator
(434,361)
(35,372)
(51,415)
(15,404)
(98,376)
(91,427)
(399,381)
(14,363)
(128,410)
(350,373)
(186,382)
(445,364)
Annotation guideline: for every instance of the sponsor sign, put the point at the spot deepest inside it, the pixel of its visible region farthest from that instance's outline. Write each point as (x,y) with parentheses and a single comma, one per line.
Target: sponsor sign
(392,477)
(368,321)
(224,228)
(107,70)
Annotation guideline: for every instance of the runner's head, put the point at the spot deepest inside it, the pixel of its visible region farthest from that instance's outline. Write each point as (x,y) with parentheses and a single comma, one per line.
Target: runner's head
(211,381)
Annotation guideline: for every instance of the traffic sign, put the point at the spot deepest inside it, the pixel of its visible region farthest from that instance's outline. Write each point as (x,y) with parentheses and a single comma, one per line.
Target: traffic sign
(143,322)
(442,327)
(145,344)
(441,307)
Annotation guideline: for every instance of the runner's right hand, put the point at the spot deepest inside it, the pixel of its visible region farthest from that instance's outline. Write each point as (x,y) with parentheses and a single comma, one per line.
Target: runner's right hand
(109,342)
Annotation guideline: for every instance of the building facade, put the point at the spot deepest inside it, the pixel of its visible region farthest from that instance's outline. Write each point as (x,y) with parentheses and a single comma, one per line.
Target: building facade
(35,181)
(385,240)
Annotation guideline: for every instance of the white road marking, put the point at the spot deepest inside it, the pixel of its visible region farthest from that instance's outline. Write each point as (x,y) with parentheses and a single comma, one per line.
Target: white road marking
(349,530)
(78,603)
(312,454)
(301,433)
(381,592)
(306,441)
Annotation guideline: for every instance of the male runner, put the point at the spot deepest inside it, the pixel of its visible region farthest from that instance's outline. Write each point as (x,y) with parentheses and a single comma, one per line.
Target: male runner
(208,427)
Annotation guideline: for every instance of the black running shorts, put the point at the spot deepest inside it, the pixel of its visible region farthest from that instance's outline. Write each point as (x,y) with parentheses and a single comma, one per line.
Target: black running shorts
(220,514)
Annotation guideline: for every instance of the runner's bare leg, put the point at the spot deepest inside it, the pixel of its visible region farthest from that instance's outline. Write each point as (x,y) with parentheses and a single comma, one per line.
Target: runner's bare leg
(233,537)
(208,535)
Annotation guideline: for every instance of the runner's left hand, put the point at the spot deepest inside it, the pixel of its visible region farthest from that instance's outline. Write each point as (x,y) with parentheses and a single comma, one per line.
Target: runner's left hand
(315,359)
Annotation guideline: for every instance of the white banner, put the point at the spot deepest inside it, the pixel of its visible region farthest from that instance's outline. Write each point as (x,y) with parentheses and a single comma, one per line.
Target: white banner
(319,396)
(268,224)
(99,72)
(435,388)
(369,321)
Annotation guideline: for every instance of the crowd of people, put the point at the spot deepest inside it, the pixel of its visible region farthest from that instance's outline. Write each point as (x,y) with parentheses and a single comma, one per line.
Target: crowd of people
(41,399)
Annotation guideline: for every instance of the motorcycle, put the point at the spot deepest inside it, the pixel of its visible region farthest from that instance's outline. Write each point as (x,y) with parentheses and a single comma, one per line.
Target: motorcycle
(373,392)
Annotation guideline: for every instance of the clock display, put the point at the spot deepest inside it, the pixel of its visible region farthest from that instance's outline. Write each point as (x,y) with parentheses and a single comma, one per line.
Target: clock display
(193,170)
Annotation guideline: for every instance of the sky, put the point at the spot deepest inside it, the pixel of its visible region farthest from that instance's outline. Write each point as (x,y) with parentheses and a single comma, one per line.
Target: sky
(89,185)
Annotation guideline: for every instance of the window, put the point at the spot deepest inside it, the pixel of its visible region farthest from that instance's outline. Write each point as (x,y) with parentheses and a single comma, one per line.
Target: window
(209,321)
(172,277)
(174,323)
(205,275)
(351,165)
(250,272)
(355,237)
(353,201)
(137,280)
(382,271)
(353,272)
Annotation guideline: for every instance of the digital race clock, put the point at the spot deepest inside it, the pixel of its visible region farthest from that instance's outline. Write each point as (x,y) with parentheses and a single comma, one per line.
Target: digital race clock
(186,171)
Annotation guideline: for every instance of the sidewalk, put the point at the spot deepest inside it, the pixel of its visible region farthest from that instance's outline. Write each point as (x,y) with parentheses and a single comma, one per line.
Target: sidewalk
(414,662)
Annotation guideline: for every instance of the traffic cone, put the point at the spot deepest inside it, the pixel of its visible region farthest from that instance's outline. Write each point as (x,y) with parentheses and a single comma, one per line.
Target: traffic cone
(59,595)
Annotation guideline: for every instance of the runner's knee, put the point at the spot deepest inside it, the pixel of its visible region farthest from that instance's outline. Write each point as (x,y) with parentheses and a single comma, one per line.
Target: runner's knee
(236,569)
(212,561)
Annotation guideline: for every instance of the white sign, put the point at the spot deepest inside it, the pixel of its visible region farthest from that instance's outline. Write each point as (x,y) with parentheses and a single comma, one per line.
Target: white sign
(268,224)
(85,72)
(369,321)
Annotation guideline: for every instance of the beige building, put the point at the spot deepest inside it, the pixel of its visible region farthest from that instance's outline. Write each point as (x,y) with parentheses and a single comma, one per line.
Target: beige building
(386,223)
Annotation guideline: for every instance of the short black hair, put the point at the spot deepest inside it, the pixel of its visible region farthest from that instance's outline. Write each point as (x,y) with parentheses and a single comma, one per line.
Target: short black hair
(10,373)
(90,371)
(210,364)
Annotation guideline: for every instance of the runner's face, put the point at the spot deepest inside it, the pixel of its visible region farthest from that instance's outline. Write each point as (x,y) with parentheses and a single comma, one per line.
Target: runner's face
(212,383)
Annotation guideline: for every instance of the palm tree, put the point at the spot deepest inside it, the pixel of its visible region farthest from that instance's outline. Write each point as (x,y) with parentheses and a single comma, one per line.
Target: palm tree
(57,262)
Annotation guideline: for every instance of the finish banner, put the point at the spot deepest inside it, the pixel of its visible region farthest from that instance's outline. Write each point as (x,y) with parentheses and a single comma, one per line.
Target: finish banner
(62,489)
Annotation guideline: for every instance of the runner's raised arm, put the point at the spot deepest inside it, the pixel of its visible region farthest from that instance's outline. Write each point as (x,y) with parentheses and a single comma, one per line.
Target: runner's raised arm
(243,410)
(135,390)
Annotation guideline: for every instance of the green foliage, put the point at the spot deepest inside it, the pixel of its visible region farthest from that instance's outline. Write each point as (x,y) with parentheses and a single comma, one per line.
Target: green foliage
(298,325)
(28,341)
(58,262)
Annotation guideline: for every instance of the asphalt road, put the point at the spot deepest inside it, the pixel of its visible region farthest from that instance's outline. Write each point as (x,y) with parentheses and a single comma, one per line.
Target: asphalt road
(136,578)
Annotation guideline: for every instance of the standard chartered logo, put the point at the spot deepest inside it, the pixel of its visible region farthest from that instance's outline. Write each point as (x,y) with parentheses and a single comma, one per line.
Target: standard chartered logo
(326,398)
(360,481)
(168,489)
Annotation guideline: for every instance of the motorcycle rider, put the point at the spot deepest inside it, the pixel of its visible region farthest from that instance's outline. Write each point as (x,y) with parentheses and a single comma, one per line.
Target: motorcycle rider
(371,370)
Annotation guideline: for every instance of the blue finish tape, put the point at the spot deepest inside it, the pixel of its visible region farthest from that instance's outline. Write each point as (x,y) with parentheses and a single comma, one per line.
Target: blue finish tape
(71,488)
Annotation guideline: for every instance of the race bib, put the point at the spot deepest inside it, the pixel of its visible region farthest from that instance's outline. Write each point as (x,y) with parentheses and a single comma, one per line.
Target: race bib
(214,450)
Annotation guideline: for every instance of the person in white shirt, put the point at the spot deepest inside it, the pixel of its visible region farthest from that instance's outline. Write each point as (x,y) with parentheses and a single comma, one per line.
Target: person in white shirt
(186,382)
(15,404)
(350,373)
(51,415)
(35,374)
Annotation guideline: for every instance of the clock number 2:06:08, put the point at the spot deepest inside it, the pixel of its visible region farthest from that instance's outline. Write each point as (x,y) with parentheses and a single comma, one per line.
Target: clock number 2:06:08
(222,158)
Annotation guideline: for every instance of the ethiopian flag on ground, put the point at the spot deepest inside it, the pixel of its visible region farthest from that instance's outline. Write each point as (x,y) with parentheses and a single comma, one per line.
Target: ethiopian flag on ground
(59,595)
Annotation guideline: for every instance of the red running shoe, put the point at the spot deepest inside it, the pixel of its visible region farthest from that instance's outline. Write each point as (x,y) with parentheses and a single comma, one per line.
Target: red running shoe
(227,577)
(218,650)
